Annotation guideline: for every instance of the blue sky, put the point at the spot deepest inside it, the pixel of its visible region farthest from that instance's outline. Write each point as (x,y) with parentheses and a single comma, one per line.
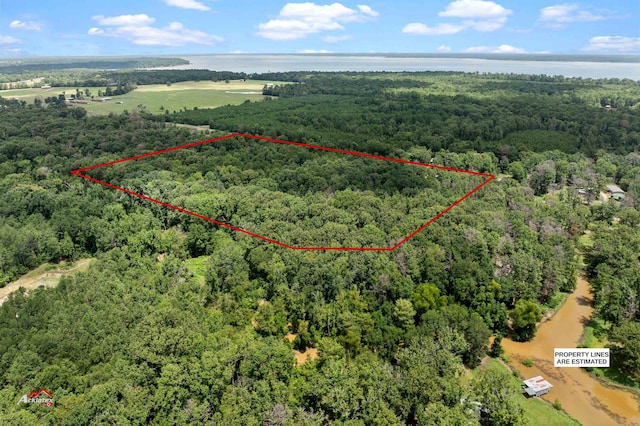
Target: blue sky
(125,27)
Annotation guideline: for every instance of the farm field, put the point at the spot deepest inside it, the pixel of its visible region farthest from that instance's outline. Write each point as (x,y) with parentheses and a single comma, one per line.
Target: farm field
(158,97)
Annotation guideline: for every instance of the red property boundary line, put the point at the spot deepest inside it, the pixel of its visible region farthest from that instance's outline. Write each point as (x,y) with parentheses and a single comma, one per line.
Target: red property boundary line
(80,173)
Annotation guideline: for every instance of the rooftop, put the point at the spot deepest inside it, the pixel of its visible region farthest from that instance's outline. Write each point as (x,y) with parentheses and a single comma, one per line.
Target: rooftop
(614,188)
(538,383)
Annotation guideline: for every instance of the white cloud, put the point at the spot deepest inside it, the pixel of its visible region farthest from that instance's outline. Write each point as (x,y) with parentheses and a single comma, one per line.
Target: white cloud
(559,15)
(503,48)
(8,40)
(299,20)
(417,28)
(137,29)
(614,43)
(22,25)
(474,9)
(140,19)
(313,12)
(278,29)
(187,4)
(336,39)
(314,51)
(443,48)
(478,15)
(367,10)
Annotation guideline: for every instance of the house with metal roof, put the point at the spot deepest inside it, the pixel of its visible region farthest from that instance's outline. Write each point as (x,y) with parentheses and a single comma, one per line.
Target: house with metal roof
(615,192)
(536,386)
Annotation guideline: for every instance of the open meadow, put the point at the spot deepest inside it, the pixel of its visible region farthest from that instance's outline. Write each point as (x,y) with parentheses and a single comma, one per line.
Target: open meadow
(157,97)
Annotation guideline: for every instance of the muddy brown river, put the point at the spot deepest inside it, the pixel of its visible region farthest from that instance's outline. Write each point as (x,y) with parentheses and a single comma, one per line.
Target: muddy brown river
(582,396)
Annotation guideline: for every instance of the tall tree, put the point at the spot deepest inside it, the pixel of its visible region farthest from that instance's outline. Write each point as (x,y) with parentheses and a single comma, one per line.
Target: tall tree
(524,317)
(500,406)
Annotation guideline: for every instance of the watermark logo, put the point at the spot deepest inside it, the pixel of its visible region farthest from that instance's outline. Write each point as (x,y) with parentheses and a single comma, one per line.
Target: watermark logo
(42,396)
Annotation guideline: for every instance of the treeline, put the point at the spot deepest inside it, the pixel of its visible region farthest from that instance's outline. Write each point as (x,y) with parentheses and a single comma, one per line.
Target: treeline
(333,85)
(140,77)
(614,270)
(389,113)
(85,78)
(546,57)
(23,66)
(144,77)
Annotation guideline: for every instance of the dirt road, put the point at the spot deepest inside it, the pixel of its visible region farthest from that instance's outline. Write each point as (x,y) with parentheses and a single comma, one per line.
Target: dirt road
(582,396)
(42,276)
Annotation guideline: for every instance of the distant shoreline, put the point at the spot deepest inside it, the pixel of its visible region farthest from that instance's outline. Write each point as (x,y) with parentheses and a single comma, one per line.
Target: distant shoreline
(544,57)
(578,66)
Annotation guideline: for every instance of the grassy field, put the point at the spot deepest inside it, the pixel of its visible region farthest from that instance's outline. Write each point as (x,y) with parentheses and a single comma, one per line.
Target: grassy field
(197,266)
(536,410)
(158,97)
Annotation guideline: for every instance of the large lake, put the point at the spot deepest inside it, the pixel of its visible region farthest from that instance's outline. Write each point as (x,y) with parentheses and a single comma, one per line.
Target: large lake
(276,63)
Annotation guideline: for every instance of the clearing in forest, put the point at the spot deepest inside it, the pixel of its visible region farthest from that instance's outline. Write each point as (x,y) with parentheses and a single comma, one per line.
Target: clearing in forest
(46,275)
(325,213)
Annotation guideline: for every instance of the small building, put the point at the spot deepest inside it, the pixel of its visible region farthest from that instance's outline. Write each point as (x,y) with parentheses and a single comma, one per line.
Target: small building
(45,87)
(536,386)
(615,192)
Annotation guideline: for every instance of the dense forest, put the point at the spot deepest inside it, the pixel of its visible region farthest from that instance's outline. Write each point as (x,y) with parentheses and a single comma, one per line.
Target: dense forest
(137,77)
(181,321)
(401,112)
